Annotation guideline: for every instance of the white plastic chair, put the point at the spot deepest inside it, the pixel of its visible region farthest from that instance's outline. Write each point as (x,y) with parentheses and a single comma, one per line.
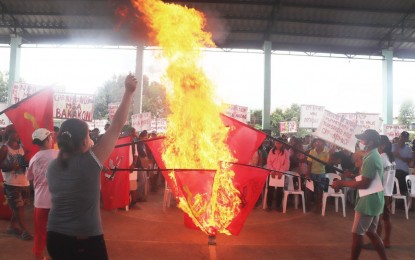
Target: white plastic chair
(167,197)
(410,184)
(265,192)
(399,196)
(290,190)
(332,193)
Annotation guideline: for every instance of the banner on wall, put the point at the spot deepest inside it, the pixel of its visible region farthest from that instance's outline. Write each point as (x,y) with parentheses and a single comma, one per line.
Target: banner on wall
(288,127)
(310,116)
(141,122)
(338,130)
(68,105)
(240,113)
(365,120)
(392,131)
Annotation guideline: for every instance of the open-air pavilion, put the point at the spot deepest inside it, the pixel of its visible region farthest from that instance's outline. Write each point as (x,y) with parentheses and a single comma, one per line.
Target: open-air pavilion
(372,27)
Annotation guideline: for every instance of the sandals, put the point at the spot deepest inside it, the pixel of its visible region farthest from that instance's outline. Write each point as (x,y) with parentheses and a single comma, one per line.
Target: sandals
(26,236)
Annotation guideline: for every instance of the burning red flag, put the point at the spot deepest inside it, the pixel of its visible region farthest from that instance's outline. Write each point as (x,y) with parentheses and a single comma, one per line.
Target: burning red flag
(115,187)
(33,112)
(243,140)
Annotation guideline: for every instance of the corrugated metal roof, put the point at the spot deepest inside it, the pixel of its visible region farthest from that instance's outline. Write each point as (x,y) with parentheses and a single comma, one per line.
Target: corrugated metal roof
(362,27)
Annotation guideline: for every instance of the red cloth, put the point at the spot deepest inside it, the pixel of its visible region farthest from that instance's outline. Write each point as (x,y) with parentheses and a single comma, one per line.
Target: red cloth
(40,222)
(243,140)
(116,192)
(33,112)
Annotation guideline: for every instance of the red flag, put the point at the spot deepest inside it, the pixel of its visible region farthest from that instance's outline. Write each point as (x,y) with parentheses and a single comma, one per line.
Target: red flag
(243,140)
(116,192)
(33,112)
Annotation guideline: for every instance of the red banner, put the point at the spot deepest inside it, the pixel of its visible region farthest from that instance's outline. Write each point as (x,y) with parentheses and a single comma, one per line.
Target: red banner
(116,192)
(30,114)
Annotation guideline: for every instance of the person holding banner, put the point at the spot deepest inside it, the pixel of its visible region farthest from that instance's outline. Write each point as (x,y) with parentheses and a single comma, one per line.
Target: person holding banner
(74,229)
(279,160)
(370,200)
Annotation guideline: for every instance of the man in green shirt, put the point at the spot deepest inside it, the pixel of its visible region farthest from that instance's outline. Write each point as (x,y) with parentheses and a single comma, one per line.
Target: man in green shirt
(370,205)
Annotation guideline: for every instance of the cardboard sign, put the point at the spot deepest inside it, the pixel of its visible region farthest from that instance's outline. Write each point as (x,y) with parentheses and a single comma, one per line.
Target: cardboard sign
(112,108)
(21,91)
(310,116)
(159,125)
(392,131)
(240,113)
(98,123)
(365,120)
(338,130)
(4,120)
(141,121)
(66,105)
(288,127)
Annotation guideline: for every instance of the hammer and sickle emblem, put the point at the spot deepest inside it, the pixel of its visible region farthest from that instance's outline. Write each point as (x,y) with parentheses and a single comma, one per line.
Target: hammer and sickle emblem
(31,118)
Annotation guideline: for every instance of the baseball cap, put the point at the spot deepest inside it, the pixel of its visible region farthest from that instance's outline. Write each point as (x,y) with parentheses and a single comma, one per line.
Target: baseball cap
(40,134)
(369,135)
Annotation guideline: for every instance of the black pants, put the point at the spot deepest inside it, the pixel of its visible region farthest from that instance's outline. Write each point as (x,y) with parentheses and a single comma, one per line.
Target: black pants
(400,175)
(270,196)
(62,247)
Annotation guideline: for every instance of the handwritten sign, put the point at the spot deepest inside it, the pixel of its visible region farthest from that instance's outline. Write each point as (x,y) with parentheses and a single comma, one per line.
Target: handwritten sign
(159,125)
(392,131)
(4,120)
(67,105)
(21,91)
(365,120)
(338,130)
(141,121)
(112,108)
(240,113)
(288,127)
(310,116)
(98,123)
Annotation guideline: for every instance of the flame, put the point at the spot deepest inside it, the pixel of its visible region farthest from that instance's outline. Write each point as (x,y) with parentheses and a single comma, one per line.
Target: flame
(195,137)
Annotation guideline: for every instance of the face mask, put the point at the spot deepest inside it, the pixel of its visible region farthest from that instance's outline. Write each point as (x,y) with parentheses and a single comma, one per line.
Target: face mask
(362,146)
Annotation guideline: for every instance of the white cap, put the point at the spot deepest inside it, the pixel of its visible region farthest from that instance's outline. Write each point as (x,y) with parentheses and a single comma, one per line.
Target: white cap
(40,134)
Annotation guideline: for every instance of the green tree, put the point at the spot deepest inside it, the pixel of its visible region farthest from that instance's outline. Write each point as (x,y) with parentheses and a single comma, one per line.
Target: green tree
(292,113)
(154,98)
(4,91)
(256,119)
(406,113)
(111,92)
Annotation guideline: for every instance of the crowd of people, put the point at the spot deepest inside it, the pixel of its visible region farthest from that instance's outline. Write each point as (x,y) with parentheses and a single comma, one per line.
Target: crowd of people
(65,176)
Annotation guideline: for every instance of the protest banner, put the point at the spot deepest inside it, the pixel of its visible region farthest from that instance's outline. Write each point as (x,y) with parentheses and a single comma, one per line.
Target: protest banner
(4,120)
(97,123)
(288,127)
(240,113)
(69,105)
(159,125)
(365,120)
(392,131)
(338,130)
(112,108)
(21,91)
(141,122)
(310,116)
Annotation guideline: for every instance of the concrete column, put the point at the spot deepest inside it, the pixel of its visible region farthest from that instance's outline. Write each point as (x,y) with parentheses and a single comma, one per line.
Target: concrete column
(14,66)
(387,72)
(137,100)
(266,111)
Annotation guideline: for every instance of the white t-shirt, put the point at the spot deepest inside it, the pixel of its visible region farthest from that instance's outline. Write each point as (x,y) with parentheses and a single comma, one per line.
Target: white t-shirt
(389,170)
(37,173)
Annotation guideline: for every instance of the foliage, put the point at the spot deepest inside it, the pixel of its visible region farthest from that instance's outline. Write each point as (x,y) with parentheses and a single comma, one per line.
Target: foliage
(290,114)
(406,113)
(256,119)
(4,92)
(153,100)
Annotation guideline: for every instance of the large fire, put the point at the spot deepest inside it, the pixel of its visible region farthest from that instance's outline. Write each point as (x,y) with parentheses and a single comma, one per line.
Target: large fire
(195,137)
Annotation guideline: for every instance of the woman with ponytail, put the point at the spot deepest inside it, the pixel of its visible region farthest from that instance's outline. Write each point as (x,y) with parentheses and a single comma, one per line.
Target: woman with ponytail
(74,224)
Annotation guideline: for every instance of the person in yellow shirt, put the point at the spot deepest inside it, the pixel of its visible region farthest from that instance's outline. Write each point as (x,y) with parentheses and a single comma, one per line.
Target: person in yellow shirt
(317,170)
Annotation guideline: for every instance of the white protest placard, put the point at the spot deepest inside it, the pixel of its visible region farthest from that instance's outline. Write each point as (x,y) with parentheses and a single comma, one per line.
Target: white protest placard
(288,127)
(310,116)
(239,113)
(159,125)
(392,131)
(141,122)
(98,123)
(21,91)
(365,120)
(4,120)
(338,130)
(112,108)
(69,105)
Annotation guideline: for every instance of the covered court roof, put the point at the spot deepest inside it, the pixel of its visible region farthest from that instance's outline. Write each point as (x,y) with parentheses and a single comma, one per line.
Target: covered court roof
(352,27)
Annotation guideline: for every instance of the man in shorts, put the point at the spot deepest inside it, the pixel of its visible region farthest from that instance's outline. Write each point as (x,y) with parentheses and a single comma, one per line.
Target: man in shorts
(370,205)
